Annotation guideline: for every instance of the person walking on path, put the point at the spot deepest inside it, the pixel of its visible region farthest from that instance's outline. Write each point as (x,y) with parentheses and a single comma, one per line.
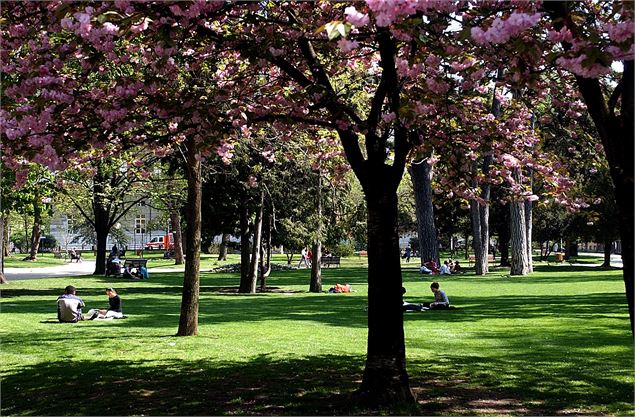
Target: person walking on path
(303,258)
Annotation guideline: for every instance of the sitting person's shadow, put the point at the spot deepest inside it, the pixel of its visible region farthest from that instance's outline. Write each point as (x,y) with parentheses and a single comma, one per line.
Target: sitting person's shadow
(51,321)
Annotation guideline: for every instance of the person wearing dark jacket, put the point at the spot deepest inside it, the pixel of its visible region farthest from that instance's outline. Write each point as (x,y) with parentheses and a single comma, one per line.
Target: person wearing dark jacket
(114,310)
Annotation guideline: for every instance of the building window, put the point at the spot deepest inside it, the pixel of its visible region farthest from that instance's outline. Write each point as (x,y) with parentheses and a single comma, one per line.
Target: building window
(70,225)
(140,224)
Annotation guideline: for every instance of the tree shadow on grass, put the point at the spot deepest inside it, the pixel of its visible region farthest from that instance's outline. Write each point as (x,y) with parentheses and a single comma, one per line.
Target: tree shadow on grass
(559,372)
(317,385)
(529,307)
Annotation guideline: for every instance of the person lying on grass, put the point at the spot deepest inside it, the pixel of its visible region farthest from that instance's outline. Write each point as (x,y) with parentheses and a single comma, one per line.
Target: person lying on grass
(406,306)
(440,299)
(69,306)
(113,311)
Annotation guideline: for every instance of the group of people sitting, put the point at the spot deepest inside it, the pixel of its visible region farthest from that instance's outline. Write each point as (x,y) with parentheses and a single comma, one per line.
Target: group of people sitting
(449,267)
(114,266)
(69,307)
(440,302)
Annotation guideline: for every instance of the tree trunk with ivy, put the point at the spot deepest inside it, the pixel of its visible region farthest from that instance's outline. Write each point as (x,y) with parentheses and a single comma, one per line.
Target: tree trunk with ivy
(421,175)
(188,320)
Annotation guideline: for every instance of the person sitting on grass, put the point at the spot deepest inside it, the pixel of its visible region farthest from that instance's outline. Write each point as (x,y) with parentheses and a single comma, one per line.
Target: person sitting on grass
(143,272)
(114,308)
(69,306)
(445,269)
(456,269)
(406,306)
(129,272)
(440,299)
(432,266)
(425,270)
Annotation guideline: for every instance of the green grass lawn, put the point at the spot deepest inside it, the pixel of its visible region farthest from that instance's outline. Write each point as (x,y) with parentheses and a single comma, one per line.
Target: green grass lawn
(43,259)
(555,342)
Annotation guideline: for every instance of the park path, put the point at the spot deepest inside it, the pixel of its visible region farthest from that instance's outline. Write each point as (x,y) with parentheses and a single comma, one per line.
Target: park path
(616,260)
(66,270)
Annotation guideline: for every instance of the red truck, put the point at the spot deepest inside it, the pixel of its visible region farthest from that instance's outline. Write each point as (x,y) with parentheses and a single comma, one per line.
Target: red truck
(161,242)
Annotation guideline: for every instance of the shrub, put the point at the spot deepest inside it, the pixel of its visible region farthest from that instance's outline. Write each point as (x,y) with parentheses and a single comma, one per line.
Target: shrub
(343,249)
(47,243)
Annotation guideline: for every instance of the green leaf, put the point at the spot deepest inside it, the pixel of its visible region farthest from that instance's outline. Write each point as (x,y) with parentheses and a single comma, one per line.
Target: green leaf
(465,33)
(109,16)
(337,28)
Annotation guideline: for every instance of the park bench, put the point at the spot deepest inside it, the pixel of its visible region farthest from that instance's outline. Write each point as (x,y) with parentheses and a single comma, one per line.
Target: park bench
(76,257)
(472,258)
(135,263)
(57,254)
(330,260)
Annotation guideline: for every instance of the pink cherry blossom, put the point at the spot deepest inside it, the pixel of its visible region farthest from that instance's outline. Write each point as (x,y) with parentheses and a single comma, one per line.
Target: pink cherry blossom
(501,30)
(619,32)
(564,35)
(389,117)
(576,65)
(356,18)
(346,45)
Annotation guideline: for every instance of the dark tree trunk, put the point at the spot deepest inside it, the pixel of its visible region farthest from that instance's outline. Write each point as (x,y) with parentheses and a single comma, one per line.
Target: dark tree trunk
(175,224)
(504,236)
(255,251)
(261,266)
(245,236)
(480,248)
(36,232)
(608,248)
(27,239)
(101,232)
(265,252)
(480,212)
(101,224)
(519,263)
(222,251)
(528,234)
(269,229)
(316,265)
(3,228)
(385,379)
(188,322)
(5,236)
(616,132)
(421,175)
(467,246)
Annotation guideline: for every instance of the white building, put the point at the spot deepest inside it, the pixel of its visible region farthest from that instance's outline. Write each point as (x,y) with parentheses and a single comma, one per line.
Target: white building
(134,225)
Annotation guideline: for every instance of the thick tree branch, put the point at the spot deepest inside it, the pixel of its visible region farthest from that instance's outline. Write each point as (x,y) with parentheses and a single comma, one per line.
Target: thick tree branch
(282,117)
(81,210)
(123,212)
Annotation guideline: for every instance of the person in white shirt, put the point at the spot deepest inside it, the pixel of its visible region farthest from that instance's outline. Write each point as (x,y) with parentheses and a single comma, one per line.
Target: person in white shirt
(445,269)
